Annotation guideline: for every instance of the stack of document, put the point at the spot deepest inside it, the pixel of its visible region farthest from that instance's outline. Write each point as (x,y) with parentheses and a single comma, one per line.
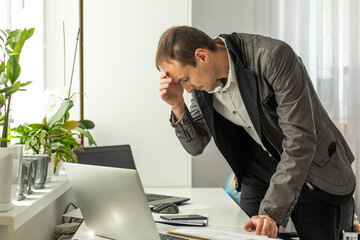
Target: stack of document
(212,234)
(190,220)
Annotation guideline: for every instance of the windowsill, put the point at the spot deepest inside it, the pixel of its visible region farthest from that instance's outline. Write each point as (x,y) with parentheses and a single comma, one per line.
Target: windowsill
(41,198)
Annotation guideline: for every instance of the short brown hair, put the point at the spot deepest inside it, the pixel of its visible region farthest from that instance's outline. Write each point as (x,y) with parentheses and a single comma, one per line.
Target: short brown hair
(180,43)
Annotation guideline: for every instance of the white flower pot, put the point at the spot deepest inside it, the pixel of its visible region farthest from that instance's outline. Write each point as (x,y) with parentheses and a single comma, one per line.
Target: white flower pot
(10,163)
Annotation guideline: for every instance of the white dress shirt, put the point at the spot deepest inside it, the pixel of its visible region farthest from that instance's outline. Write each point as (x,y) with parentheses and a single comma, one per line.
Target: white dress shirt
(228,102)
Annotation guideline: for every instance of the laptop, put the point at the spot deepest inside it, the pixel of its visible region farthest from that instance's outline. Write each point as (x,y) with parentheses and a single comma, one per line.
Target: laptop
(113,202)
(120,156)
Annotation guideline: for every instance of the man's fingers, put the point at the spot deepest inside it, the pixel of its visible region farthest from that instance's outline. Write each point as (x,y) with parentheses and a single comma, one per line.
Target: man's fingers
(262,225)
(163,93)
(163,75)
(259,225)
(266,227)
(273,232)
(249,225)
(165,80)
(163,86)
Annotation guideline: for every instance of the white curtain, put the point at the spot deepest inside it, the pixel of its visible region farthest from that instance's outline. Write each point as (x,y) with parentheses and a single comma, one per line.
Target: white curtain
(326,35)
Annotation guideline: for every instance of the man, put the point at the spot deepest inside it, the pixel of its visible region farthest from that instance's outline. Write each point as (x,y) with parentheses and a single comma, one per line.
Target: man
(252,94)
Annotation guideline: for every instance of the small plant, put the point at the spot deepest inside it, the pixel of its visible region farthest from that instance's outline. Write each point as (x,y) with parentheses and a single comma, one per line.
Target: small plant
(11,44)
(56,135)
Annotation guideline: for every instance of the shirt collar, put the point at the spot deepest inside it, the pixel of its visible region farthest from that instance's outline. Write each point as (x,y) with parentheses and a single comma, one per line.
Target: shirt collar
(219,86)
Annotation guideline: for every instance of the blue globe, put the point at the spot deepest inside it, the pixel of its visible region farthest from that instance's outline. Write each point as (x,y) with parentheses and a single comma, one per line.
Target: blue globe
(230,188)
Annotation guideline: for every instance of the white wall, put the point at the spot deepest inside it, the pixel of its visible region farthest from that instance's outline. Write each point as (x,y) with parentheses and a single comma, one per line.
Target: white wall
(120,78)
(121,81)
(57,12)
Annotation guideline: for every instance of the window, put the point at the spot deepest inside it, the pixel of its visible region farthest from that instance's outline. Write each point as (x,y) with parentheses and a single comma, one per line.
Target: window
(26,106)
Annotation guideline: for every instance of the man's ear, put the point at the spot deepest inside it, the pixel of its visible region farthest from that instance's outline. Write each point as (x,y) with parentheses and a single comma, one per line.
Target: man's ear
(202,55)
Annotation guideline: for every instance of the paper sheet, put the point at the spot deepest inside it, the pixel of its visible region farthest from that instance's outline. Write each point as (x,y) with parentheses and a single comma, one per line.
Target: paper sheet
(211,234)
(192,206)
(74,214)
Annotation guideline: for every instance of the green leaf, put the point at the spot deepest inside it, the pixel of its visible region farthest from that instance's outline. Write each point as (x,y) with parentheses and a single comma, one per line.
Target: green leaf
(67,116)
(9,51)
(5,140)
(36,126)
(3,32)
(13,54)
(86,124)
(20,43)
(13,38)
(58,116)
(42,137)
(2,67)
(13,69)
(3,78)
(57,131)
(25,34)
(87,135)
(57,158)
(13,88)
(29,33)
(2,100)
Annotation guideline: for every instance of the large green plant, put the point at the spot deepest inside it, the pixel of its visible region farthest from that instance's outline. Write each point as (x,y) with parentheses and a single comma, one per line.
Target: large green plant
(55,135)
(11,44)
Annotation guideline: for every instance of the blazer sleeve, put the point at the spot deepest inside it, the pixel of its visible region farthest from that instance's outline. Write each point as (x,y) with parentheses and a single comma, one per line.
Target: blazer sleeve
(191,129)
(290,83)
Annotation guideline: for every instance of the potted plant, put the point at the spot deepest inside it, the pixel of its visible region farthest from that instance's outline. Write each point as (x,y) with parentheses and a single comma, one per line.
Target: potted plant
(11,44)
(55,136)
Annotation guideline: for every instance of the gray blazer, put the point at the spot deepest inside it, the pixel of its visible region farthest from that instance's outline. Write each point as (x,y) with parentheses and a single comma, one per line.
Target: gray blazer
(284,108)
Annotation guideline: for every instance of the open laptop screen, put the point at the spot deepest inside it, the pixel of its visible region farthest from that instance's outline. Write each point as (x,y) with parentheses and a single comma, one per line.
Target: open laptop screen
(119,156)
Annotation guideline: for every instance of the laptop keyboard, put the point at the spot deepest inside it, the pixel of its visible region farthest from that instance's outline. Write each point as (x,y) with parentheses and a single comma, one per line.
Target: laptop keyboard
(154,197)
(170,237)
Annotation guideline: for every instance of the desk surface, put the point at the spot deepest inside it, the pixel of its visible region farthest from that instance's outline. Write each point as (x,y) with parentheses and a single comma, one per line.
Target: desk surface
(224,214)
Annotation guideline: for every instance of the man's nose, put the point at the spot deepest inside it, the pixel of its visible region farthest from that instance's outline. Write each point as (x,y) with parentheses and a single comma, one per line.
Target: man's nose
(189,88)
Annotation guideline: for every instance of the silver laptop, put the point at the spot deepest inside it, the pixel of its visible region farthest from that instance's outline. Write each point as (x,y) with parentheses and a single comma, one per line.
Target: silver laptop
(121,156)
(113,202)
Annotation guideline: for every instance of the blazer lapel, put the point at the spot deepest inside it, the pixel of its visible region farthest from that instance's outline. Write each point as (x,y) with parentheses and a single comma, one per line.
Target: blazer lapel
(205,101)
(248,90)
(246,80)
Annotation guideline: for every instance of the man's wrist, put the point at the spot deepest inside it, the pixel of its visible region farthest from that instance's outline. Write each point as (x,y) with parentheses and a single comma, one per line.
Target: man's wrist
(178,110)
(266,216)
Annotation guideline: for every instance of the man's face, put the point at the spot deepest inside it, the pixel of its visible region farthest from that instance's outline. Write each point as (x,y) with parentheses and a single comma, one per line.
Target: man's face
(201,77)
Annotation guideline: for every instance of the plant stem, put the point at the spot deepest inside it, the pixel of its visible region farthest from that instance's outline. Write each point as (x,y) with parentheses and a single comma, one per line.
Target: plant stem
(72,72)
(6,122)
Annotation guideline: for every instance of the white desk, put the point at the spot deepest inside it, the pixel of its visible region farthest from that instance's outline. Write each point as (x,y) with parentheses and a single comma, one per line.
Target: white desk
(224,214)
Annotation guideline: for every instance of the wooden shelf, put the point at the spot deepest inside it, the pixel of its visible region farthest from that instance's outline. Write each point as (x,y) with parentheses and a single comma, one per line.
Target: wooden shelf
(41,198)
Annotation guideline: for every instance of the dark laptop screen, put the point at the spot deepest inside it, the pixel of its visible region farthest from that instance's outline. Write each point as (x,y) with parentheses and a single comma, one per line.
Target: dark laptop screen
(109,156)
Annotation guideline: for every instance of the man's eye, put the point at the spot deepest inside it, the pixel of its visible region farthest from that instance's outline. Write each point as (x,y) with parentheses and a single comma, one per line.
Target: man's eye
(186,79)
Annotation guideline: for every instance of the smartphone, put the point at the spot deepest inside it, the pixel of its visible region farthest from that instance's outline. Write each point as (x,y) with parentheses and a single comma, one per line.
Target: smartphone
(184,217)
